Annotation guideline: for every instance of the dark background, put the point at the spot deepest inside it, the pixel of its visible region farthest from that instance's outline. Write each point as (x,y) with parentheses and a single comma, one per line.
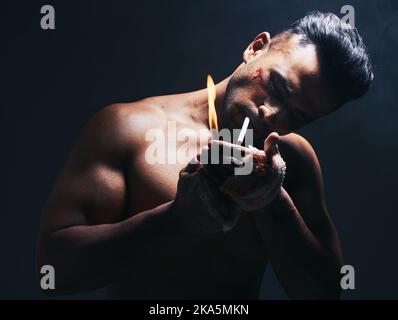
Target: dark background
(117,51)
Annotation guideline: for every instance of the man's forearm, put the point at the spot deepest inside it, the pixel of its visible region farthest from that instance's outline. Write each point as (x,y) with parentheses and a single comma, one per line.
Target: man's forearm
(88,257)
(304,266)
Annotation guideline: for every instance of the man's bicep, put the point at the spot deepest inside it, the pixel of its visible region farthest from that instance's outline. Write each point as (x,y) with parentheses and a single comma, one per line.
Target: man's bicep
(319,222)
(309,199)
(91,187)
(93,195)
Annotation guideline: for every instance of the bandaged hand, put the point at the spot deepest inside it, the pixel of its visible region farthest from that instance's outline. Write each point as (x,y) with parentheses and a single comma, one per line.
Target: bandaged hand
(256,190)
(200,207)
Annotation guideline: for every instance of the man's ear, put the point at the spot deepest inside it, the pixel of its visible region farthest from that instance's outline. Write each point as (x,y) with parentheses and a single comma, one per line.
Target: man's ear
(260,44)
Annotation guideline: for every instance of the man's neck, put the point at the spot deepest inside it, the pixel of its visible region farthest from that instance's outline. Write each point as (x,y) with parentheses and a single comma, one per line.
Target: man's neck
(199,106)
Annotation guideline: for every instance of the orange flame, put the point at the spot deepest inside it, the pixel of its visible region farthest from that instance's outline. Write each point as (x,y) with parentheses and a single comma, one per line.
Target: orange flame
(211,91)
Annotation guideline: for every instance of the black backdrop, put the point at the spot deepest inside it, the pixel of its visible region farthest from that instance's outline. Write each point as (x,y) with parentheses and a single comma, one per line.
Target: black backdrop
(114,51)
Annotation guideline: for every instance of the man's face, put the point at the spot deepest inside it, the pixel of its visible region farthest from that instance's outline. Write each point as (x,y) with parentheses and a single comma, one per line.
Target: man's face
(278,88)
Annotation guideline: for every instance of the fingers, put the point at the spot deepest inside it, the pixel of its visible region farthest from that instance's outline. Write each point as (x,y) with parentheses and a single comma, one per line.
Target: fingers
(220,172)
(192,167)
(270,145)
(219,205)
(226,150)
(223,157)
(219,159)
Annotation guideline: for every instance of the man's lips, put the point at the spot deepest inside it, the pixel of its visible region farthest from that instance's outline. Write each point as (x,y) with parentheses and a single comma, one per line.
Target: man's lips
(257,119)
(255,113)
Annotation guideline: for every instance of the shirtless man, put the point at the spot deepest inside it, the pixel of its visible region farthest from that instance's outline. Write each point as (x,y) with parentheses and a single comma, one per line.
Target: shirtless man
(113,220)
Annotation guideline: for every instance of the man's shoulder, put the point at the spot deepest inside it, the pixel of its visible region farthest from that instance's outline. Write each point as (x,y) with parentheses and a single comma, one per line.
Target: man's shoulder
(297,146)
(118,131)
(131,119)
(300,157)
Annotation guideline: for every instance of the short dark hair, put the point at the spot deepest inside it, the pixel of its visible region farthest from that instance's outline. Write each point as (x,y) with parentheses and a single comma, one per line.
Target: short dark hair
(344,59)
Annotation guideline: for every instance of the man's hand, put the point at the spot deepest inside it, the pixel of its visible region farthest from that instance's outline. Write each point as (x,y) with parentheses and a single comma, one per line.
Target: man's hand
(210,195)
(256,190)
(200,206)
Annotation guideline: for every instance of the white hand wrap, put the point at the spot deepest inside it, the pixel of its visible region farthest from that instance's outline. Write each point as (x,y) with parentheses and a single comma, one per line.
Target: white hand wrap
(252,193)
(212,212)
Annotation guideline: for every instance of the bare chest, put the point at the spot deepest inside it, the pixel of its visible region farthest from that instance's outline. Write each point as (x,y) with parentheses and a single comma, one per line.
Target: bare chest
(232,261)
(222,264)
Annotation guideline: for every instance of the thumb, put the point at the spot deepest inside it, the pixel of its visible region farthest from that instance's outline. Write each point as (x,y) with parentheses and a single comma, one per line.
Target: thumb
(270,145)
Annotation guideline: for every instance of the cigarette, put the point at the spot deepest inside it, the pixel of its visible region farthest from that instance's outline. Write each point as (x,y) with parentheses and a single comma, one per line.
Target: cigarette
(243,130)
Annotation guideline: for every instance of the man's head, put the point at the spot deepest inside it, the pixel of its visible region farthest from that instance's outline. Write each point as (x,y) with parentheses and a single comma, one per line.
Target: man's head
(301,74)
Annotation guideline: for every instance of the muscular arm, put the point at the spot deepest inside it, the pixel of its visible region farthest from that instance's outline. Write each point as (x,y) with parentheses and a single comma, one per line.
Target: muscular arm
(83,234)
(299,235)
